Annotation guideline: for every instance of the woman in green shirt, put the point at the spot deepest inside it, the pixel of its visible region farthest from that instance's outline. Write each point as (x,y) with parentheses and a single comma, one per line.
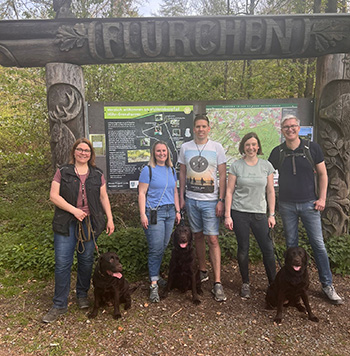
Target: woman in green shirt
(250,180)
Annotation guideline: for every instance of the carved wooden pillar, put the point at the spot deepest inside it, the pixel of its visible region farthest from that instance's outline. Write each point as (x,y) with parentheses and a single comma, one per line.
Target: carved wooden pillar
(65,101)
(333,132)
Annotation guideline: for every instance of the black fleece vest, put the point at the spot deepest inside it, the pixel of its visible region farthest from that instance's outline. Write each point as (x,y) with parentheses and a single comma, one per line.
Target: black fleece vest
(69,189)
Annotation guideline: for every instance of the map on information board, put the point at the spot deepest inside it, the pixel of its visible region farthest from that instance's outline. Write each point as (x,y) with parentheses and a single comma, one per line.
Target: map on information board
(131,133)
(229,123)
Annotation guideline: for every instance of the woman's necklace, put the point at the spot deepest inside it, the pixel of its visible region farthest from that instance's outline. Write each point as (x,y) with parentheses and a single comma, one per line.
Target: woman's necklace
(82,184)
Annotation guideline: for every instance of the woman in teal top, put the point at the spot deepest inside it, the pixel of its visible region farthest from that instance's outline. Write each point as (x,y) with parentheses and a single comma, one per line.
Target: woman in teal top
(249,179)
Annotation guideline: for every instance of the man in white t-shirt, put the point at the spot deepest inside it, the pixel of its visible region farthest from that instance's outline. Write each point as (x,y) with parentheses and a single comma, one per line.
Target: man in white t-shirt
(200,161)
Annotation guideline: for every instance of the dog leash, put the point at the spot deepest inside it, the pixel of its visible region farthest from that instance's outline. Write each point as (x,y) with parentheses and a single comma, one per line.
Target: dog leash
(81,237)
(272,238)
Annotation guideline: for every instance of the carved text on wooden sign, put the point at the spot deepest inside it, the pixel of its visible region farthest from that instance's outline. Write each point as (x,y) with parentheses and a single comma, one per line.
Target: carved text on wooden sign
(90,41)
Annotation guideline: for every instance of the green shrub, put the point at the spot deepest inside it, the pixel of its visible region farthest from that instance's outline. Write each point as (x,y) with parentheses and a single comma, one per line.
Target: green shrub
(339,254)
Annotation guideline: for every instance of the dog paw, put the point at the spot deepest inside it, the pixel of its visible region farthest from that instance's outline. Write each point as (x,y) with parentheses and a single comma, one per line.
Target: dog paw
(313,318)
(278,320)
(127,306)
(117,316)
(196,301)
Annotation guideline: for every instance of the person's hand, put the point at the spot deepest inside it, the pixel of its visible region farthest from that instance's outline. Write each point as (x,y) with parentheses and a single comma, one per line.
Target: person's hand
(182,203)
(320,204)
(109,228)
(271,221)
(79,214)
(144,221)
(220,209)
(177,218)
(229,223)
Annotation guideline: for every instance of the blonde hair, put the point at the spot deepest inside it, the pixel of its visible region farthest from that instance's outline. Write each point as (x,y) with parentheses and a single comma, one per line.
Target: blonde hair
(152,161)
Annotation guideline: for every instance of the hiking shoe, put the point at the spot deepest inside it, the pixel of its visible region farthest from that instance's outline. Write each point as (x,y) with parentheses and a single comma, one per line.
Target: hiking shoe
(203,275)
(53,314)
(83,303)
(245,291)
(218,292)
(332,295)
(154,296)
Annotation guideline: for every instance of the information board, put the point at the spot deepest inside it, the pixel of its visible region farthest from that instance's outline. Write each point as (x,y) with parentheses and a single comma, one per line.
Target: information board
(132,130)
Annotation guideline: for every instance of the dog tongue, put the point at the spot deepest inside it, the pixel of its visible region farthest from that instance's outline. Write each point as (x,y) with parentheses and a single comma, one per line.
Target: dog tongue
(115,274)
(183,245)
(297,268)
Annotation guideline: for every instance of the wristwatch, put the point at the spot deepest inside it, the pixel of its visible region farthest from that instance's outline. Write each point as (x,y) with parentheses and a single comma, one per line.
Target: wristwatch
(272,214)
(222,200)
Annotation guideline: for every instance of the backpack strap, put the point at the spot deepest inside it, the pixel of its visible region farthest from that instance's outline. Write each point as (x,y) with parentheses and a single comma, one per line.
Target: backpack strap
(307,153)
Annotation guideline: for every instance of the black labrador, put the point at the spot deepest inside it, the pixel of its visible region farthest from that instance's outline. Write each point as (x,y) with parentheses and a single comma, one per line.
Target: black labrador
(291,284)
(183,273)
(110,285)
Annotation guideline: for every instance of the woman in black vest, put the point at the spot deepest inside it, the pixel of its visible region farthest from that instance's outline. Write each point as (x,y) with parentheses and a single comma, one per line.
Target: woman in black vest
(79,193)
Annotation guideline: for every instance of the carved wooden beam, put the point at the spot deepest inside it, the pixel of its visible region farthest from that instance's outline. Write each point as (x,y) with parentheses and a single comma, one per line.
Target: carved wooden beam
(34,43)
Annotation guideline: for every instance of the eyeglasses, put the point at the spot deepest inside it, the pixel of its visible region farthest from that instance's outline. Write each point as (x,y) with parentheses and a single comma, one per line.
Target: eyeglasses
(290,127)
(83,151)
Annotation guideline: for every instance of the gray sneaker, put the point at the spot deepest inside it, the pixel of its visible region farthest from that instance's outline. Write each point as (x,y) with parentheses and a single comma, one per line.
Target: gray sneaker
(218,292)
(245,291)
(83,303)
(53,314)
(332,295)
(203,275)
(154,296)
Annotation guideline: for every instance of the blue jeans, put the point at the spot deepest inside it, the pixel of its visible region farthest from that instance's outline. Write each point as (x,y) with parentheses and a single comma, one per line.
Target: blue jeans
(64,254)
(202,216)
(311,219)
(158,237)
(242,223)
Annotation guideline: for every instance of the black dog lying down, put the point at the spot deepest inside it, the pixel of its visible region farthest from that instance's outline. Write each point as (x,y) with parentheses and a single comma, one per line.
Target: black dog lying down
(110,285)
(183,273)
(291,284)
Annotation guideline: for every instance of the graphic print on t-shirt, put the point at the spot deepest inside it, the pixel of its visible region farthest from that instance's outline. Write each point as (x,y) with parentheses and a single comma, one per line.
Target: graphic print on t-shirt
(200,177)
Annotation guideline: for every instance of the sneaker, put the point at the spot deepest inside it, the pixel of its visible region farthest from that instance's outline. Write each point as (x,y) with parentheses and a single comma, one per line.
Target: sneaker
(203,275)
(83,303)
(245,291)
(332,295)
(218,292)
(154,296)
(53,314)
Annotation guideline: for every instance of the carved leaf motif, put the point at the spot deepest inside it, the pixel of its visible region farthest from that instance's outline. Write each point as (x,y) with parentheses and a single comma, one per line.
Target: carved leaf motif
(69,37)
(332,152)
(324,134)
(340,144)
(328,145)
(326,35)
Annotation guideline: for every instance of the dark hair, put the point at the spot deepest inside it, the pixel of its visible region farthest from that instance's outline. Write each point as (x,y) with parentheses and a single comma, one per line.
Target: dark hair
(198,117)
(246,137)
(91,161)
(152,161)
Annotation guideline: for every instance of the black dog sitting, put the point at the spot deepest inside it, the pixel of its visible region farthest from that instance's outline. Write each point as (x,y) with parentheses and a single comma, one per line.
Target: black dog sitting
(291,284)
(110,285)
(183,273)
